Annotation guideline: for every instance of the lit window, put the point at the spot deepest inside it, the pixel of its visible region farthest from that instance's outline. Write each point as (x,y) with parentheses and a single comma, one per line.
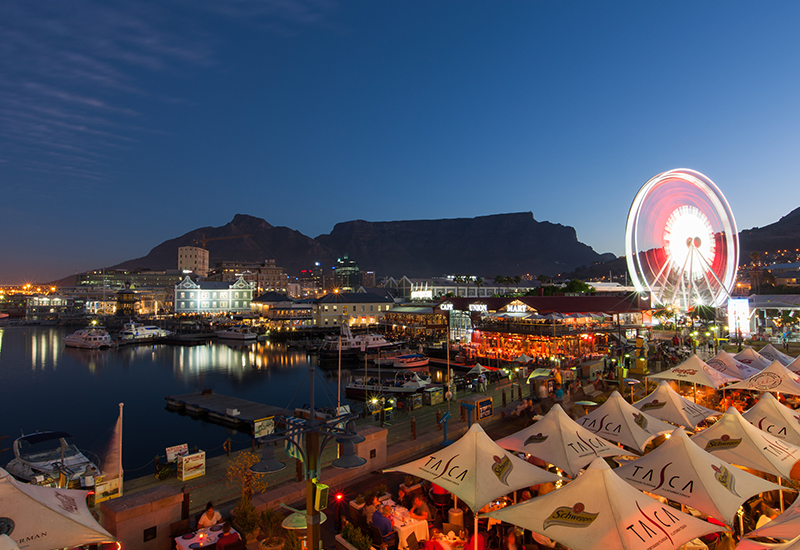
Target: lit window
(334,309)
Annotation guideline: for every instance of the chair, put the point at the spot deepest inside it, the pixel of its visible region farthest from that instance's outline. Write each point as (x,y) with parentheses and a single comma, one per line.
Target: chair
(441,502)
(178,529)
(240,544)
(447,527)
(390,541)
(411,541)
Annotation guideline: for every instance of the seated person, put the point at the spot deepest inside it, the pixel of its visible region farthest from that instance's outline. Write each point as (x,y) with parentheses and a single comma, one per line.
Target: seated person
(372,505)
(406,500)
(210,517)
(382,519)
(471,542)
(437,490)
(558,393)
(226,537)
(420,509)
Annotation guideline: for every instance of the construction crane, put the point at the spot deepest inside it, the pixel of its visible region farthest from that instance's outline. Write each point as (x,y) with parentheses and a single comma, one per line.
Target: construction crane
(203,240)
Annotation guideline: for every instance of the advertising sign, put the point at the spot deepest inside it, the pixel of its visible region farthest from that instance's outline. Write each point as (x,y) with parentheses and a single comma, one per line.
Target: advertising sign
(176,451)
(192,466)
(105,488)
(263,427)
(739,316)
(485,408)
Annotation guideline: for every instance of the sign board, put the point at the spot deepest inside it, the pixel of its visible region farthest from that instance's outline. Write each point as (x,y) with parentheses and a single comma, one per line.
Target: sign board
(178,450)
(739,316)
(105,488)
(485,408)
(192,466)
(446,306)
(263,427)
(478,307)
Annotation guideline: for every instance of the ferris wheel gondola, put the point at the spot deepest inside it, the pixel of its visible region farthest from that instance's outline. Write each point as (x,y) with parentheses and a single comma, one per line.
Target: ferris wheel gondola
(681,241)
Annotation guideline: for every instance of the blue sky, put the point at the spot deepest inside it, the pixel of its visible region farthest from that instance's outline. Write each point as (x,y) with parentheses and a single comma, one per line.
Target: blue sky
(125,124)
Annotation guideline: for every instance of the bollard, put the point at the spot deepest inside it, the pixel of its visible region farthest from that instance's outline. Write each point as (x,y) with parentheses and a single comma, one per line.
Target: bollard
(413,428)
(439,418)
(227,446)
(186,501)
(505,402)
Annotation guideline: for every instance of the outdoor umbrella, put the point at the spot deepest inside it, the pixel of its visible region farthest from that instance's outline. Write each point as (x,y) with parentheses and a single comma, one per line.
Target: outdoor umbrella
(772,353)
(774,377)
(476,469)
(600,510)
(523,359)
(778,420)
(681,471)
(737,441)
(666,404)
(747,544)
(696,371)
(794,366)
(752,358)
(559,440)
(726,364)
(617,420)
(42,518)
(786,526)
(478,369)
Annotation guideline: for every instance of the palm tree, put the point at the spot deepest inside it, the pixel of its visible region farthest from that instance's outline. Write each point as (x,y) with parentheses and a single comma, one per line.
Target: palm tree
(457,279)
(479,284)
(517,280)
(499,280)
(467,279)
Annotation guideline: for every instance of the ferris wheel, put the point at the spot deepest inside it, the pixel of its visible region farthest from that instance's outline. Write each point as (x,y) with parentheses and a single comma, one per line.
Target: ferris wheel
(681,241)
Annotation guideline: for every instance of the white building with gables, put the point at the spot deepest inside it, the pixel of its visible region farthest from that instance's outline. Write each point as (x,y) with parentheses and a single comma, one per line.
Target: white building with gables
(212,298)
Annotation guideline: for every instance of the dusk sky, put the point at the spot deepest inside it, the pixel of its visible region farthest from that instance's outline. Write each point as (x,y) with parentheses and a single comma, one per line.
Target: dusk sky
(124,124)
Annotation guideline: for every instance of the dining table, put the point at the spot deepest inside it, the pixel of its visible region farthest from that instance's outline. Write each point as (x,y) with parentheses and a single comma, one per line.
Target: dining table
(201,538)
(404,524)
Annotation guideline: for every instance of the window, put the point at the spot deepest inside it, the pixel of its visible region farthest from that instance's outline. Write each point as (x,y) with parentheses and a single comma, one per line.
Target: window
(236,295)
(215,295)
(326,309)
(183,295)
(362,309)
(213,304)
(205,295)
(334,309)
(370,307)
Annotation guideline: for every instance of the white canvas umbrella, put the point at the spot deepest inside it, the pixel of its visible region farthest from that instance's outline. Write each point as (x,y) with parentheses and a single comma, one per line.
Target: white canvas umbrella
(794,366)
(42,518)
(478,369)
(737,441)
(523,359)
(696,371)
(666,404)
(600,510)
(747,544)
(778,420)
(559,440)
(752,358)
(726,364)
(681,471)
(774,377)
(772,353)
(786,526)
(617,420)
(476,469)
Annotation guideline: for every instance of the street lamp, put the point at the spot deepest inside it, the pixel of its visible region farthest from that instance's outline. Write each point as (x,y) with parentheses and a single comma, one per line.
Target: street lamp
(312,428)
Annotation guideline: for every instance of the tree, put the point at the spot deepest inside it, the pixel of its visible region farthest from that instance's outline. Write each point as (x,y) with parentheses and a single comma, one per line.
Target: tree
(467,280)
(479,283)
(499,280)
(517,281)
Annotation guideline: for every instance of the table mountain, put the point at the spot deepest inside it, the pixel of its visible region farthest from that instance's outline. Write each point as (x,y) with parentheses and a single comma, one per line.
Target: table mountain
(508,244)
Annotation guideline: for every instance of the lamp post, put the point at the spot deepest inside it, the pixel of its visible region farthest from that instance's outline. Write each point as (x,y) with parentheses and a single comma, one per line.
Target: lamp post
(312,428)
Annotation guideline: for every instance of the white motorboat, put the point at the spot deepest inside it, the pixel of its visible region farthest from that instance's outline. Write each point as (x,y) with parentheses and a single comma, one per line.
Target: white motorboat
(404,383)
(348,345)
(89,338)
(410,361)
(137,331)
(237,332)
(47,458)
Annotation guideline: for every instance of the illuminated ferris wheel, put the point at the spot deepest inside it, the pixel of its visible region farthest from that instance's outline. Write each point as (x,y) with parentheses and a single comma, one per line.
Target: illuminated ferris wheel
(681,241)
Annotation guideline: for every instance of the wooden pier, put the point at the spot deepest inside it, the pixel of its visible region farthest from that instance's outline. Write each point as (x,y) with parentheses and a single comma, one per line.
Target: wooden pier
(223,409)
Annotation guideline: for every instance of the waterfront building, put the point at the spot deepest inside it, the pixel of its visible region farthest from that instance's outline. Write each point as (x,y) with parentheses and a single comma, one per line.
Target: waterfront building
(212,297)
(281,312)
(367,279)
(350,308)
(346,274)
(194,259)
(117,279)
(420,289)
(46,307)
(266,276)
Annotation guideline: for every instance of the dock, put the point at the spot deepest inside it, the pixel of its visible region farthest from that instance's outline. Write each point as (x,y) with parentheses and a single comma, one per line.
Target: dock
(224,409)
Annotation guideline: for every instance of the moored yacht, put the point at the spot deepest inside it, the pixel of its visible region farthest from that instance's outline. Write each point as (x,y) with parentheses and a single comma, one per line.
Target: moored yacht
(404,383)
(236,332)
(88,338)
(137,331)
(46,458)
(349,346)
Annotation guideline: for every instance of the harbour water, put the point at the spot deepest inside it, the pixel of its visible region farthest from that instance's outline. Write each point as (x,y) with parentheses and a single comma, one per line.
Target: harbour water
(45,386)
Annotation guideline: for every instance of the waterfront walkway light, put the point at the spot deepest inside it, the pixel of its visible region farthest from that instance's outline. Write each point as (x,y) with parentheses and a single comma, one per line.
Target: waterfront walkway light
(340,428)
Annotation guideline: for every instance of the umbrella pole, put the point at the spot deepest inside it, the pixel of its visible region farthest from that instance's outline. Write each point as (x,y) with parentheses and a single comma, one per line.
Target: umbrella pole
(780,492)
(475,532)
(694,393)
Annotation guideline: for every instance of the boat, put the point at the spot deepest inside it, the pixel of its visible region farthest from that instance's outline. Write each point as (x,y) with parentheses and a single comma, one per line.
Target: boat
(410,361)
(48,458)
(349,346)
(137,332)
(236,332)
(89,338)
(404,383)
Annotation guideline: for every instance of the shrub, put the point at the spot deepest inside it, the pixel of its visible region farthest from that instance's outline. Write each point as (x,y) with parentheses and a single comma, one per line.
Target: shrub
(355,537)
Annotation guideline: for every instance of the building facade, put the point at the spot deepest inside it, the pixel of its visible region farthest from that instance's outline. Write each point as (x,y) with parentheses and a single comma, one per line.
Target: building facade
(353,309)
(281,312)
(212,298)
(347,274)
(194,259)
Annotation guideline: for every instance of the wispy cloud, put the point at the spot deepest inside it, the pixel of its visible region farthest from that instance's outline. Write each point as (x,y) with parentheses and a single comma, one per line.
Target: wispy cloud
(72,73)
